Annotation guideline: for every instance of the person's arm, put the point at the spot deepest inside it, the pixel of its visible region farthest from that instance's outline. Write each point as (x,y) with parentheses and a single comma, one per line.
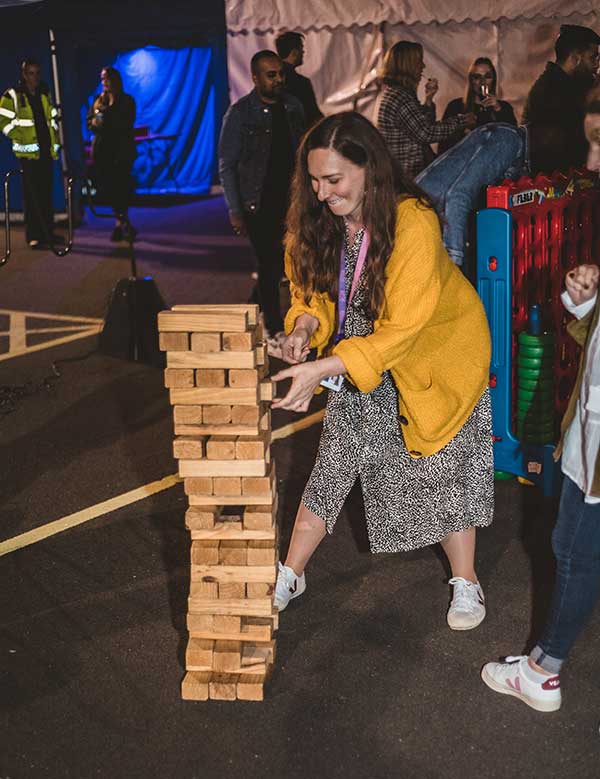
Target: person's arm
(422,125)
(320,308)
(412,292)
(230,149)
(8,115)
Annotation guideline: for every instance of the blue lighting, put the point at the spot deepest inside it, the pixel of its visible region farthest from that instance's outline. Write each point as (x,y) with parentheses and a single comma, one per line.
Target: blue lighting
(174,91)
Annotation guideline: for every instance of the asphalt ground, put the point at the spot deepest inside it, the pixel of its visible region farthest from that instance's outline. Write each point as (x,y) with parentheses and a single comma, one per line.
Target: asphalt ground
(368,680)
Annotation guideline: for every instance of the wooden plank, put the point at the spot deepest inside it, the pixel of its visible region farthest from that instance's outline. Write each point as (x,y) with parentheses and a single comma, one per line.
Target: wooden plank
(227,487)
(233,573)
(227,624)
(253,654)
(221,447)
(213,359)
(249,628)
(250,687)
(208,590)
(208,430)
(223,687)
(201,343)
(175,378)
(185,448)
(252,447)
(247,415)
(195,686)
(231,500)
(262,356)
(251,309)
(198,485)
(173,342)
(210,377)
(227,656)
(254,485)
(259,607)
(266,390)
(216,414)
(187,415)
(244,377)
(202,517)
(204,553)
(200,623)
(216,396)
(232,590)
(205,322)
(257,518)
(232,553)
(261,553)
(240,342)
(244,468)
(223,531)
(259,590)
(199,654)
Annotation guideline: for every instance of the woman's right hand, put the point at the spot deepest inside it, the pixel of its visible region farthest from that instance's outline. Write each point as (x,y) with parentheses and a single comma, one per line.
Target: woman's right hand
(582,283)
(296,346)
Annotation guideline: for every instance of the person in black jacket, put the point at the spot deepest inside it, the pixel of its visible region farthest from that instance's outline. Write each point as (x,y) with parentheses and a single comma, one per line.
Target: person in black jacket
(111,119)
(554,109)
(290,47)
(480,99)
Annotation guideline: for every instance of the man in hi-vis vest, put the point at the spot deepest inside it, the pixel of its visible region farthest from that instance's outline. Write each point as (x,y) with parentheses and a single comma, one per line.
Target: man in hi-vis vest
(28,119)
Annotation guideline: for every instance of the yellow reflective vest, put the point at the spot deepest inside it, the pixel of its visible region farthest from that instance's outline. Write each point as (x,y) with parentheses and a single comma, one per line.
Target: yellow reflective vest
(17,123)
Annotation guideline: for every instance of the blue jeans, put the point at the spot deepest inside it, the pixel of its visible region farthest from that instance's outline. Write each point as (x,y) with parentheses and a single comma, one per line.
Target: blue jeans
(576,545)
(456,179)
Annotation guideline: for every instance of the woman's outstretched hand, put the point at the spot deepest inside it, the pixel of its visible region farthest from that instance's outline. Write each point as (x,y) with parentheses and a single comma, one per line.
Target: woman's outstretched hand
(306,377)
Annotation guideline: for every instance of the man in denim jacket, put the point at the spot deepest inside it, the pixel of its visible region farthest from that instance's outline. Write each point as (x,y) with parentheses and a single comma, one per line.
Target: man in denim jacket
(256,156)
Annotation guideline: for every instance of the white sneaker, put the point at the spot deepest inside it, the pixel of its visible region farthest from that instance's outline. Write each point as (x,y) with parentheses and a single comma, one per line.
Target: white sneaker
(509,678)
(289,585)
(467,609)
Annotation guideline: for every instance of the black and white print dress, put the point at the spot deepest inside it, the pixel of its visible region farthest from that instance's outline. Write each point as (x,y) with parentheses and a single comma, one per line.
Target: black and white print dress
(409,503)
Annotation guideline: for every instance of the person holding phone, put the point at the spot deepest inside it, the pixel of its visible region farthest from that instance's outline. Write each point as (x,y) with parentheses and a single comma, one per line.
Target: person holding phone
(374,291)
(481,98)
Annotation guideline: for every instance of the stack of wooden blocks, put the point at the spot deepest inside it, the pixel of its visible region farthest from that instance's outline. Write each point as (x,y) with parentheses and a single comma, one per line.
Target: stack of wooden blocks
(216,368)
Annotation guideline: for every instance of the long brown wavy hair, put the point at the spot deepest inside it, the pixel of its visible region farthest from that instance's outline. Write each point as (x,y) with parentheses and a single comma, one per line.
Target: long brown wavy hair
(402,65)
(315,235)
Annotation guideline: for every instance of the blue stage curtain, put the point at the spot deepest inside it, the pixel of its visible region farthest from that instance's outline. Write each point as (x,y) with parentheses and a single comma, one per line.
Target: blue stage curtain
(179,94)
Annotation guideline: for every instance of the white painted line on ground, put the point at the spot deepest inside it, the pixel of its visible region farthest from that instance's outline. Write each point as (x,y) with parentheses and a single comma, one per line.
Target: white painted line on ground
(127,498)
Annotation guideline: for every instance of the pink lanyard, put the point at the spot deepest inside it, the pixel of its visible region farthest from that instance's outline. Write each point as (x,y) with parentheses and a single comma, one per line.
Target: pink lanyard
(342,302)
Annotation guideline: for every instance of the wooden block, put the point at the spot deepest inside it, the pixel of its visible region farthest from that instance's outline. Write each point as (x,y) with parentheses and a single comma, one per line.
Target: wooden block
(216,415)
(227,487)
(205,589)
(208,430)
(173,342)
(200,624)
(232,553)
(212,359)
(210,377)
(234,531)
(259,590)
(259,517)
(195,686)
(251,687)
(178,378)
(226,624)
(251,309)
(262,356)
(214,396)
(239,342)
(227,656)
(202,517)
(187,415)
(254,654)
(262,485)
(213,572)
(204,553)
(205,343)
(205,322)
(266,389)
(265,422)
(198,485)
(223,687)
(221,448)
(231,500)
(243,377)
(185,448)
(199,654)
(247,415)
(222,468)
(251,447)
(232,590)
(261,553)
(257,607)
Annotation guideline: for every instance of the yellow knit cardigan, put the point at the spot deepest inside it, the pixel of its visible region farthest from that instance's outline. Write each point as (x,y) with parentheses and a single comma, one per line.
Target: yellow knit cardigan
(432,334)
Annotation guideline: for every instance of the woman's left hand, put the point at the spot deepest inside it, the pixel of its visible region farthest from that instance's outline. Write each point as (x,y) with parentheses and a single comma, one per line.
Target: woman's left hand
(305,379)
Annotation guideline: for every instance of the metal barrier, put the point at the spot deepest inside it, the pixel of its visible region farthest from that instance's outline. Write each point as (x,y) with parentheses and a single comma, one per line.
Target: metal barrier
(59,252)
(531,234)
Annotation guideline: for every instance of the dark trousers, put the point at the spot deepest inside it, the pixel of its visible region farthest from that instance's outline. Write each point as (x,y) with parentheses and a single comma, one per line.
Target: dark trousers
(576,546)
(265,230)
(37,198)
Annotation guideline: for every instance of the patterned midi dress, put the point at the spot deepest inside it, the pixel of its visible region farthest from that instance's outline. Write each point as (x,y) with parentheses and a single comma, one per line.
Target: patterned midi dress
(409,503)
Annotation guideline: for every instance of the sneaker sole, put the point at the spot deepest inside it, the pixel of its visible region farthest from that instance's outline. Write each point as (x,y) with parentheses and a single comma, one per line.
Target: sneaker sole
(465,627)
(537,705)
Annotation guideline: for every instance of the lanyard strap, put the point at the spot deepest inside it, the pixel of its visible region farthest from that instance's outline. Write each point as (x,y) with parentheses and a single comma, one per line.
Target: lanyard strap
(342,302)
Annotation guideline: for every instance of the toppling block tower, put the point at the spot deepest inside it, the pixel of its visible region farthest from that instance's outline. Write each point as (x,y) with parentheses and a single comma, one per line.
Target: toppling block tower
(216,372)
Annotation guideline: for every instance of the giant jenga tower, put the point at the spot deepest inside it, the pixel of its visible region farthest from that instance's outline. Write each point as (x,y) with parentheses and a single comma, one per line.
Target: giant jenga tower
(216,368)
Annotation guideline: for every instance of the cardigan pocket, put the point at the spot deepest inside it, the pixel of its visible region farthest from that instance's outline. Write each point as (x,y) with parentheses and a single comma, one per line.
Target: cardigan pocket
(433,410)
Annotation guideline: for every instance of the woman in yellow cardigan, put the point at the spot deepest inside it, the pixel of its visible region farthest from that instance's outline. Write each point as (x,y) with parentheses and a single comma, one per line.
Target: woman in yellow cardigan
(403,343)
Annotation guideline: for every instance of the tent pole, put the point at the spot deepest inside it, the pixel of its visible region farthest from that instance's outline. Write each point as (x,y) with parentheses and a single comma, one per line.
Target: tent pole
(61,131)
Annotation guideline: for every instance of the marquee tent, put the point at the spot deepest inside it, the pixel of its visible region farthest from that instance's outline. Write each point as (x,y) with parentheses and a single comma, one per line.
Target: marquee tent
(345,41)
